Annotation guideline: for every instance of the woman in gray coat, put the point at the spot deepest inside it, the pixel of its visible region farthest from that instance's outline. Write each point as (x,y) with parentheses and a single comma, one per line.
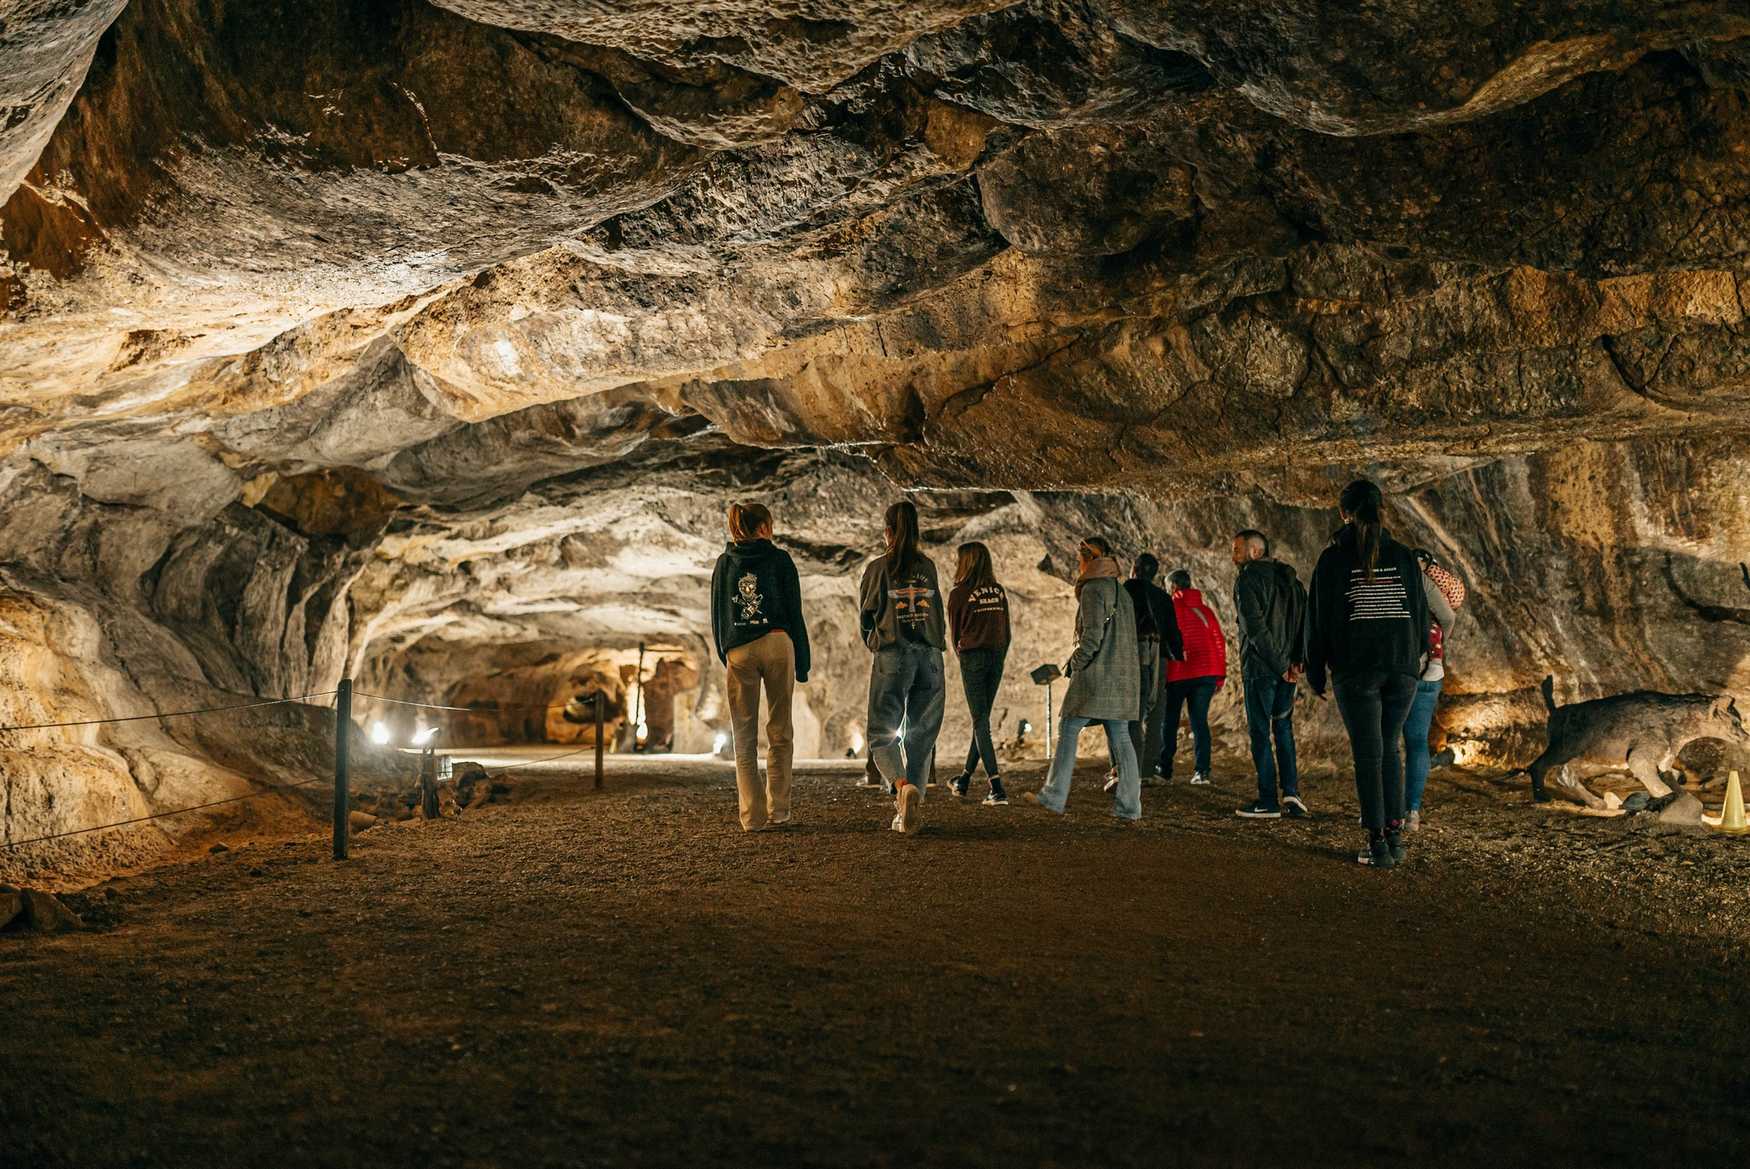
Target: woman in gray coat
(1104,686)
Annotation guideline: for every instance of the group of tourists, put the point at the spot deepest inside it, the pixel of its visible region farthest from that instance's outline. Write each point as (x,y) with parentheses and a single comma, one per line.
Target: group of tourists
(1372,631)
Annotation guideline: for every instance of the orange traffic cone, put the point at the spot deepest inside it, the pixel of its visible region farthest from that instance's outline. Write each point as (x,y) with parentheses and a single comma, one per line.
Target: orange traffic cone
(1732,815)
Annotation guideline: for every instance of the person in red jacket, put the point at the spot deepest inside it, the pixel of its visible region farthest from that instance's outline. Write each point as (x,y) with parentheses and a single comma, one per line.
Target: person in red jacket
(1193,680)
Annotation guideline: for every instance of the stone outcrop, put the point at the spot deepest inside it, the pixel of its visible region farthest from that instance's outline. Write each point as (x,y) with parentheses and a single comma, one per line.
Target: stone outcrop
(425,343)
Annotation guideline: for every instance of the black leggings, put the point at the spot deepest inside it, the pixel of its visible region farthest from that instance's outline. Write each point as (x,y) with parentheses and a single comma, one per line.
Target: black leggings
(981,673)
(1374,705)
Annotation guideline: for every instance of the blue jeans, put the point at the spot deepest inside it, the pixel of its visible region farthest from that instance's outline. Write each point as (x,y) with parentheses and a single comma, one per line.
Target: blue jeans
(905,689)
(1416,729)
(1127,804)
(1270,718)
(1197,694)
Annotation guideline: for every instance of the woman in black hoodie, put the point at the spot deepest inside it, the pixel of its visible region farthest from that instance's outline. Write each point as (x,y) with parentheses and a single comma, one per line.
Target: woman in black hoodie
(756,621)
(1368,628)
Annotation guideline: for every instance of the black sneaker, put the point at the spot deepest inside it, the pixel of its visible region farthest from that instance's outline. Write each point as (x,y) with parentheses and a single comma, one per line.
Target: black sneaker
(959,785)
(1295,807)
(998,797)
(1259,810)
(1394,842)
(1377,854)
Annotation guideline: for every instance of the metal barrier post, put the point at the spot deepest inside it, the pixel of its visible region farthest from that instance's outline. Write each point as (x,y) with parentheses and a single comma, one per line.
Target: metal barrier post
(600,721)
(428,791)
(342,729)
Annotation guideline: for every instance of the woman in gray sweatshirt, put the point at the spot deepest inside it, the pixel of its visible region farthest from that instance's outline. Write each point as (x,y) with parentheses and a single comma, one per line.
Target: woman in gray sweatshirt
(903,626)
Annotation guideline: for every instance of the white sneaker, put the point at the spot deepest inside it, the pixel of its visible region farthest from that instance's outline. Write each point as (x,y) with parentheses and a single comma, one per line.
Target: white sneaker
(1111,785)
(1198,778)
(1415,822)
(909,798)
(898,825)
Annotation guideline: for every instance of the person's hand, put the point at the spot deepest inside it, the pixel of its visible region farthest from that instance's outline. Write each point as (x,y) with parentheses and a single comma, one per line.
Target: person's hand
(1292,676)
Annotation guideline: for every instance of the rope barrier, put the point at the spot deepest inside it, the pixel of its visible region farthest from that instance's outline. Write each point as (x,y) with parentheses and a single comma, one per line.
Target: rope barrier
(462,709)
(343,719)
(155,815)
(133,718)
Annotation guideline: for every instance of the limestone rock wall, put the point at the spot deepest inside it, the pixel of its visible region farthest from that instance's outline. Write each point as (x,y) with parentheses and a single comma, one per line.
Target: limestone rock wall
(426,343)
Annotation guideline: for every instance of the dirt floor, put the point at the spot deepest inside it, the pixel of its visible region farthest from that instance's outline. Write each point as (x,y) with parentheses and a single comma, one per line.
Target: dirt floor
(579,979)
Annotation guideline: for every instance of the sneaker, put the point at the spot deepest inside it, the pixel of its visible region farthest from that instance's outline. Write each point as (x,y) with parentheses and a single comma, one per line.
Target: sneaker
(1394,842)
(1295,806)
(1377,854)
(1415,822)
(996,800)
(1198,779)
(866,781)
(959,785)
(1111,784)
(909,797)
(1033,798)
(898,825)
(1259,811)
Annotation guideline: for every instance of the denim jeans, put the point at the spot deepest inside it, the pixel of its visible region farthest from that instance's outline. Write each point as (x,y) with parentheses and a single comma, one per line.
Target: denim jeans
(1195,694)
(905,689)
(981,672)
(1127,804)
(1374,705)
(1270,719)
(1416,728)
(1153,677)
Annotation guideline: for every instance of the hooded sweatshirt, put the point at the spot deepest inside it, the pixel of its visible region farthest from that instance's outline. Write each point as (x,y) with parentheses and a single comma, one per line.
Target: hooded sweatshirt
(754,591)
(1360,626)
(902,609)
(1103,679)
(1205,646)
(1272,616)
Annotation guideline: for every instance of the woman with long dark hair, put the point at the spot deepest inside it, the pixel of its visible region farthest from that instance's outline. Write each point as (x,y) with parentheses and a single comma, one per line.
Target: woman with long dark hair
(756,622)
(902,623)
(1368,629)
(978,620)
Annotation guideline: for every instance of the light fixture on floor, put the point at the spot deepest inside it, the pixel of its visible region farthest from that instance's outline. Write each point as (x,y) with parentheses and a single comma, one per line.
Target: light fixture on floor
(379,733)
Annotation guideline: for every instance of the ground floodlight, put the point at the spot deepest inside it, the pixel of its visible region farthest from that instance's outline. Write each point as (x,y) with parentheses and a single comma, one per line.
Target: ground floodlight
(379,733)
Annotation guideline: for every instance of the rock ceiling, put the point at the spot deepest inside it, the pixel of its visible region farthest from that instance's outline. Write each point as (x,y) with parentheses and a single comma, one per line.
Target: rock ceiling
(334,329)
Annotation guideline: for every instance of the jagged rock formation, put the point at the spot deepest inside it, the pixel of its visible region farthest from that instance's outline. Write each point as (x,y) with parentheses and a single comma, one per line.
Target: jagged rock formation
(426,342)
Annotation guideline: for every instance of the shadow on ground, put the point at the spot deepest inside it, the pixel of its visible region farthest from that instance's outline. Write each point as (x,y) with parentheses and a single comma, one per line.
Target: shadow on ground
(624,979)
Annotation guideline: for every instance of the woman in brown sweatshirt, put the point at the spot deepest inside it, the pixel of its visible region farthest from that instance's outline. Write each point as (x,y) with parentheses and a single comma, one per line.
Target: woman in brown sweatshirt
(978,618)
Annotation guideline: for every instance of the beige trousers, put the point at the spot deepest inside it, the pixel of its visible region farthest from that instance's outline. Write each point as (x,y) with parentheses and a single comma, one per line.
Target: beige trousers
(771,660)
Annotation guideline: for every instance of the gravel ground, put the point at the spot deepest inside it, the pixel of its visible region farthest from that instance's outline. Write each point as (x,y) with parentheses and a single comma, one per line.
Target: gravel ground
(623,978)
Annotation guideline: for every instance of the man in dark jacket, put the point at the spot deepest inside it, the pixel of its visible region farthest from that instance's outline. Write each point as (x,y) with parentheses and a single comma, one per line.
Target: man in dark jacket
(1271,607)
(1158,642)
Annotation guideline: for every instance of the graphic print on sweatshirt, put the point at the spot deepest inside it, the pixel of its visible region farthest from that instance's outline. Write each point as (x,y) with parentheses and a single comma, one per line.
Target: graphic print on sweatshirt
(912,603)
(1384,598)
(985,599)
(748,601)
